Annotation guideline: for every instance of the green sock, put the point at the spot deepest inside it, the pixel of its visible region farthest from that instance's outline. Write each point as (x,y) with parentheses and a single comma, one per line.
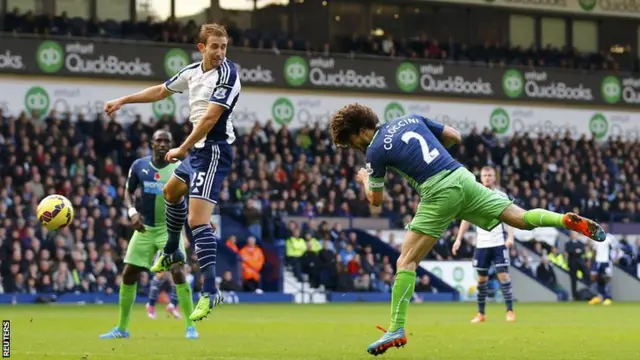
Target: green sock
(127,298)
(185,301)
(543,218)
(400,297)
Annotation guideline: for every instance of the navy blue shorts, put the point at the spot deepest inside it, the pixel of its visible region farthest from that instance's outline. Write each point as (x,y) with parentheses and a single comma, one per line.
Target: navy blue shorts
(205,169)
(601,268)
(484,257)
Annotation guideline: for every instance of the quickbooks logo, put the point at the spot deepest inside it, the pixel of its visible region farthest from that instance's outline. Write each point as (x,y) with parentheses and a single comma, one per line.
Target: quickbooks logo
(37,99)
(407,77)
(175,60)
(587,5)
(599,126)
(50,56)
(512,83)
(542,85)
(164,107)
(296,71)
(611,89)
(499,121)
(392,111)
(282,111)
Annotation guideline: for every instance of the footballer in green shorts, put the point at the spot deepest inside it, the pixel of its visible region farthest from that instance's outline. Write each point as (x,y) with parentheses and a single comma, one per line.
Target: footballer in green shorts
(149,173)
(416,147)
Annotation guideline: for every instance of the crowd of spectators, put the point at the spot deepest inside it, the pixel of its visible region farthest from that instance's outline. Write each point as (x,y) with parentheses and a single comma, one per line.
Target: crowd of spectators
(418,46)
(277,172)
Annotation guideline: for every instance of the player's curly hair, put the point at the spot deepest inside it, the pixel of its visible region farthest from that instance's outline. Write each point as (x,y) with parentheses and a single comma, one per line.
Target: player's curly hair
(351,120)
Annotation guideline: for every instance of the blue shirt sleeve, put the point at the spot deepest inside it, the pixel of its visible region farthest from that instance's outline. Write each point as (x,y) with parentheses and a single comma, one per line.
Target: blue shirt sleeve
(228,86)
(376,168)
(133,181)
(435,127)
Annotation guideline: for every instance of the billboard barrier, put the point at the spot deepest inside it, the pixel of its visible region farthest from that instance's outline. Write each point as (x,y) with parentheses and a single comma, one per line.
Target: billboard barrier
(297,111)
(158,62)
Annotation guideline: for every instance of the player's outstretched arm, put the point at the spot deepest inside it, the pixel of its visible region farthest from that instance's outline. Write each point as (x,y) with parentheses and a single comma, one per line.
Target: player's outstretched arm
(202,128)
(464,227)
(148,95)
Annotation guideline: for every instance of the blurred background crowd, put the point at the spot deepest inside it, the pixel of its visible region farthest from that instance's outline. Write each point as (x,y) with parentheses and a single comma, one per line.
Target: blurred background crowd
(278,172)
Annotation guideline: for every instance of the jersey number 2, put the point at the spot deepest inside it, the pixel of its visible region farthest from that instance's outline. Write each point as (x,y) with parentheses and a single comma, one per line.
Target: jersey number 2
(427,155)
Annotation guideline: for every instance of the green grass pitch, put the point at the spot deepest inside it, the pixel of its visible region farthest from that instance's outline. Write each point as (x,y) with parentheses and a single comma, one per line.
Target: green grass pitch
(332,331)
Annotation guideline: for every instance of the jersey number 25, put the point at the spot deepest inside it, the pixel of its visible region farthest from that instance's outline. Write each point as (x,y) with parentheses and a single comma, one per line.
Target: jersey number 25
(427,155)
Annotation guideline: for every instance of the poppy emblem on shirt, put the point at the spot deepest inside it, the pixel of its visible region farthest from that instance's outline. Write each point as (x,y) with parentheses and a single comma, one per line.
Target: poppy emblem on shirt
(156,176)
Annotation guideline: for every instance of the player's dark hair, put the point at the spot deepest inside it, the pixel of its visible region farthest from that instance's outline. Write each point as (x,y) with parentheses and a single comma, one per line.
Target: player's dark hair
(351,120)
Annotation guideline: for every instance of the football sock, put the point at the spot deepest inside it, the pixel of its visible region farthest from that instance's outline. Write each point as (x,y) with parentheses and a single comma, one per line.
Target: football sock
(482,296)
(185,299)
(206,249)
(507,293)
(601,287)
(543,218)
(174,296)
(154,291)
(127,298)
(401,295)
(607,291)
(175,216)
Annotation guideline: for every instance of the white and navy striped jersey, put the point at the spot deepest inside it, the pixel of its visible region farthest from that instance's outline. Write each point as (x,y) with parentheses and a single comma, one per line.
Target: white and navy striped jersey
(495,237)
(603,250)
(218,86)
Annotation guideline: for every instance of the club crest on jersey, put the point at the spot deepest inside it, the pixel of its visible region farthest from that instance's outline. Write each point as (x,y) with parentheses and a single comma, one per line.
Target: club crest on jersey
(156,176)
(220,93)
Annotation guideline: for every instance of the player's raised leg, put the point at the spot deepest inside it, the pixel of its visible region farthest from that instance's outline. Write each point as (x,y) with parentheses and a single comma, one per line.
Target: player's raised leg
(531,219)
(174,192)
(487,209)
(211,165)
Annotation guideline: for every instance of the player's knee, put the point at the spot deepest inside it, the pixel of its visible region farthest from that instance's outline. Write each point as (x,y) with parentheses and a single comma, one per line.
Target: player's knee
(130,274)
(177,274)
(195,220)
(170,195)
(406,263)
(482,279)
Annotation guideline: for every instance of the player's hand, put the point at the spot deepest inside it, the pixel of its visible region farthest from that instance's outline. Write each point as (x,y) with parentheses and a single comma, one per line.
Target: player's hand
(112,106)
(455,247)
(362,176)
(509,243)
(176,154)
(136,223)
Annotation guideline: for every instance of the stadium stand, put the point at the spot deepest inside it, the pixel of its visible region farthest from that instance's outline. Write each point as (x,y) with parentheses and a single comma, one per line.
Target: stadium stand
(280,173)
(309,177)
(419,45)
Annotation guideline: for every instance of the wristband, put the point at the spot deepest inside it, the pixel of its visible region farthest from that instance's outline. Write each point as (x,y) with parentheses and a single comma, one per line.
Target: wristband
(132,211)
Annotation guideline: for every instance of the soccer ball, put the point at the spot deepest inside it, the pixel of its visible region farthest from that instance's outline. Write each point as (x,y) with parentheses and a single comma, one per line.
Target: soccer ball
(55,212)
